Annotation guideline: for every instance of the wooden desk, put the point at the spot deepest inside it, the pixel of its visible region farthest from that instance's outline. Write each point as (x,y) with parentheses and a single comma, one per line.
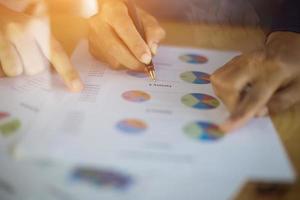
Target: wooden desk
(213,37)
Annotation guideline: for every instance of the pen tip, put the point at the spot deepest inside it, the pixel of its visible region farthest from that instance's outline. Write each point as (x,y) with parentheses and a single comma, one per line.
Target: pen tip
(152,75)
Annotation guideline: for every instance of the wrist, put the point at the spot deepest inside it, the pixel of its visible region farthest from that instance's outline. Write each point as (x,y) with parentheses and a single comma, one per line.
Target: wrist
(284,47)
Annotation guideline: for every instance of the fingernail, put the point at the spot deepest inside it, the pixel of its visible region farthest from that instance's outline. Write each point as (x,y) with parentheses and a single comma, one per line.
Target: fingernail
(154,48)
(76,85)
(228,126)
(146,58)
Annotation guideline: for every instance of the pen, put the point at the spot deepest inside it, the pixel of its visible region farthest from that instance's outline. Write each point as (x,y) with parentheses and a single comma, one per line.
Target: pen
(140,28)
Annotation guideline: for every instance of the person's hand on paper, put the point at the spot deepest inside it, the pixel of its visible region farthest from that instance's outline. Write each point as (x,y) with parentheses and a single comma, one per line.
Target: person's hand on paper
(260,82)
(114,39)
(27,46)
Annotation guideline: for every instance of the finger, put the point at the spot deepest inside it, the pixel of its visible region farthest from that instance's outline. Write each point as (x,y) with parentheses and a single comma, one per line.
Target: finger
(1,71)
(154,32)
(10,61)
(230,81)
(123,25)
(285,98)
(100,55)
(53,51)
(32,58)
(112,45)
(254,101)
(39,28)
(64,68)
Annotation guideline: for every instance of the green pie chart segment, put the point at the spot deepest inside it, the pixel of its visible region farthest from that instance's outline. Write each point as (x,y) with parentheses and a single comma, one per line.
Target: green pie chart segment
(200,101)
(8,126)
(203,131)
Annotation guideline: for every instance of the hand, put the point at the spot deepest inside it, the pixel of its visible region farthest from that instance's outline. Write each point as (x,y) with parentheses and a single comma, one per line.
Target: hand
(26,44)
(114,39)
(265,80)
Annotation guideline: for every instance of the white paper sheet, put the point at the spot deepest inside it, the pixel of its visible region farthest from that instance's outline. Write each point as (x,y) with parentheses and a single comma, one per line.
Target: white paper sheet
(87,123)
(123,119)
(62,183)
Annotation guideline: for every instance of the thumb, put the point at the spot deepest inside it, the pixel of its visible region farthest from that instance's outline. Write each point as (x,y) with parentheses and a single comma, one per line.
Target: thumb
(252,103)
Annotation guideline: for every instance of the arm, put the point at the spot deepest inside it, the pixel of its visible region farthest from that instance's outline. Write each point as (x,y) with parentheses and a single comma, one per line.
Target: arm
(265,80)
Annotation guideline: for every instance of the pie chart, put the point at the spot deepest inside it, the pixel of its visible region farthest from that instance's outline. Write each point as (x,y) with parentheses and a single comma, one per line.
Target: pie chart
(195,77)
(8,125)
(131,126)
(193,59)
(203,131)
(137,74)
(136,96)
(101,177)
(200,101)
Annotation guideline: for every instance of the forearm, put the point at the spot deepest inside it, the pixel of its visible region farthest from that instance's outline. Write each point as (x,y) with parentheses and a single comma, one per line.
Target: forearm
(281,23)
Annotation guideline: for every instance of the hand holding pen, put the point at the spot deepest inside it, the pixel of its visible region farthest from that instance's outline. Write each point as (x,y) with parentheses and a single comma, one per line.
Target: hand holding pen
(116,38)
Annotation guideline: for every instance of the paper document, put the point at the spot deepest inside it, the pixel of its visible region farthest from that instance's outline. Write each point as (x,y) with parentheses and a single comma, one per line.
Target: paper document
(170,121)
(125,120)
